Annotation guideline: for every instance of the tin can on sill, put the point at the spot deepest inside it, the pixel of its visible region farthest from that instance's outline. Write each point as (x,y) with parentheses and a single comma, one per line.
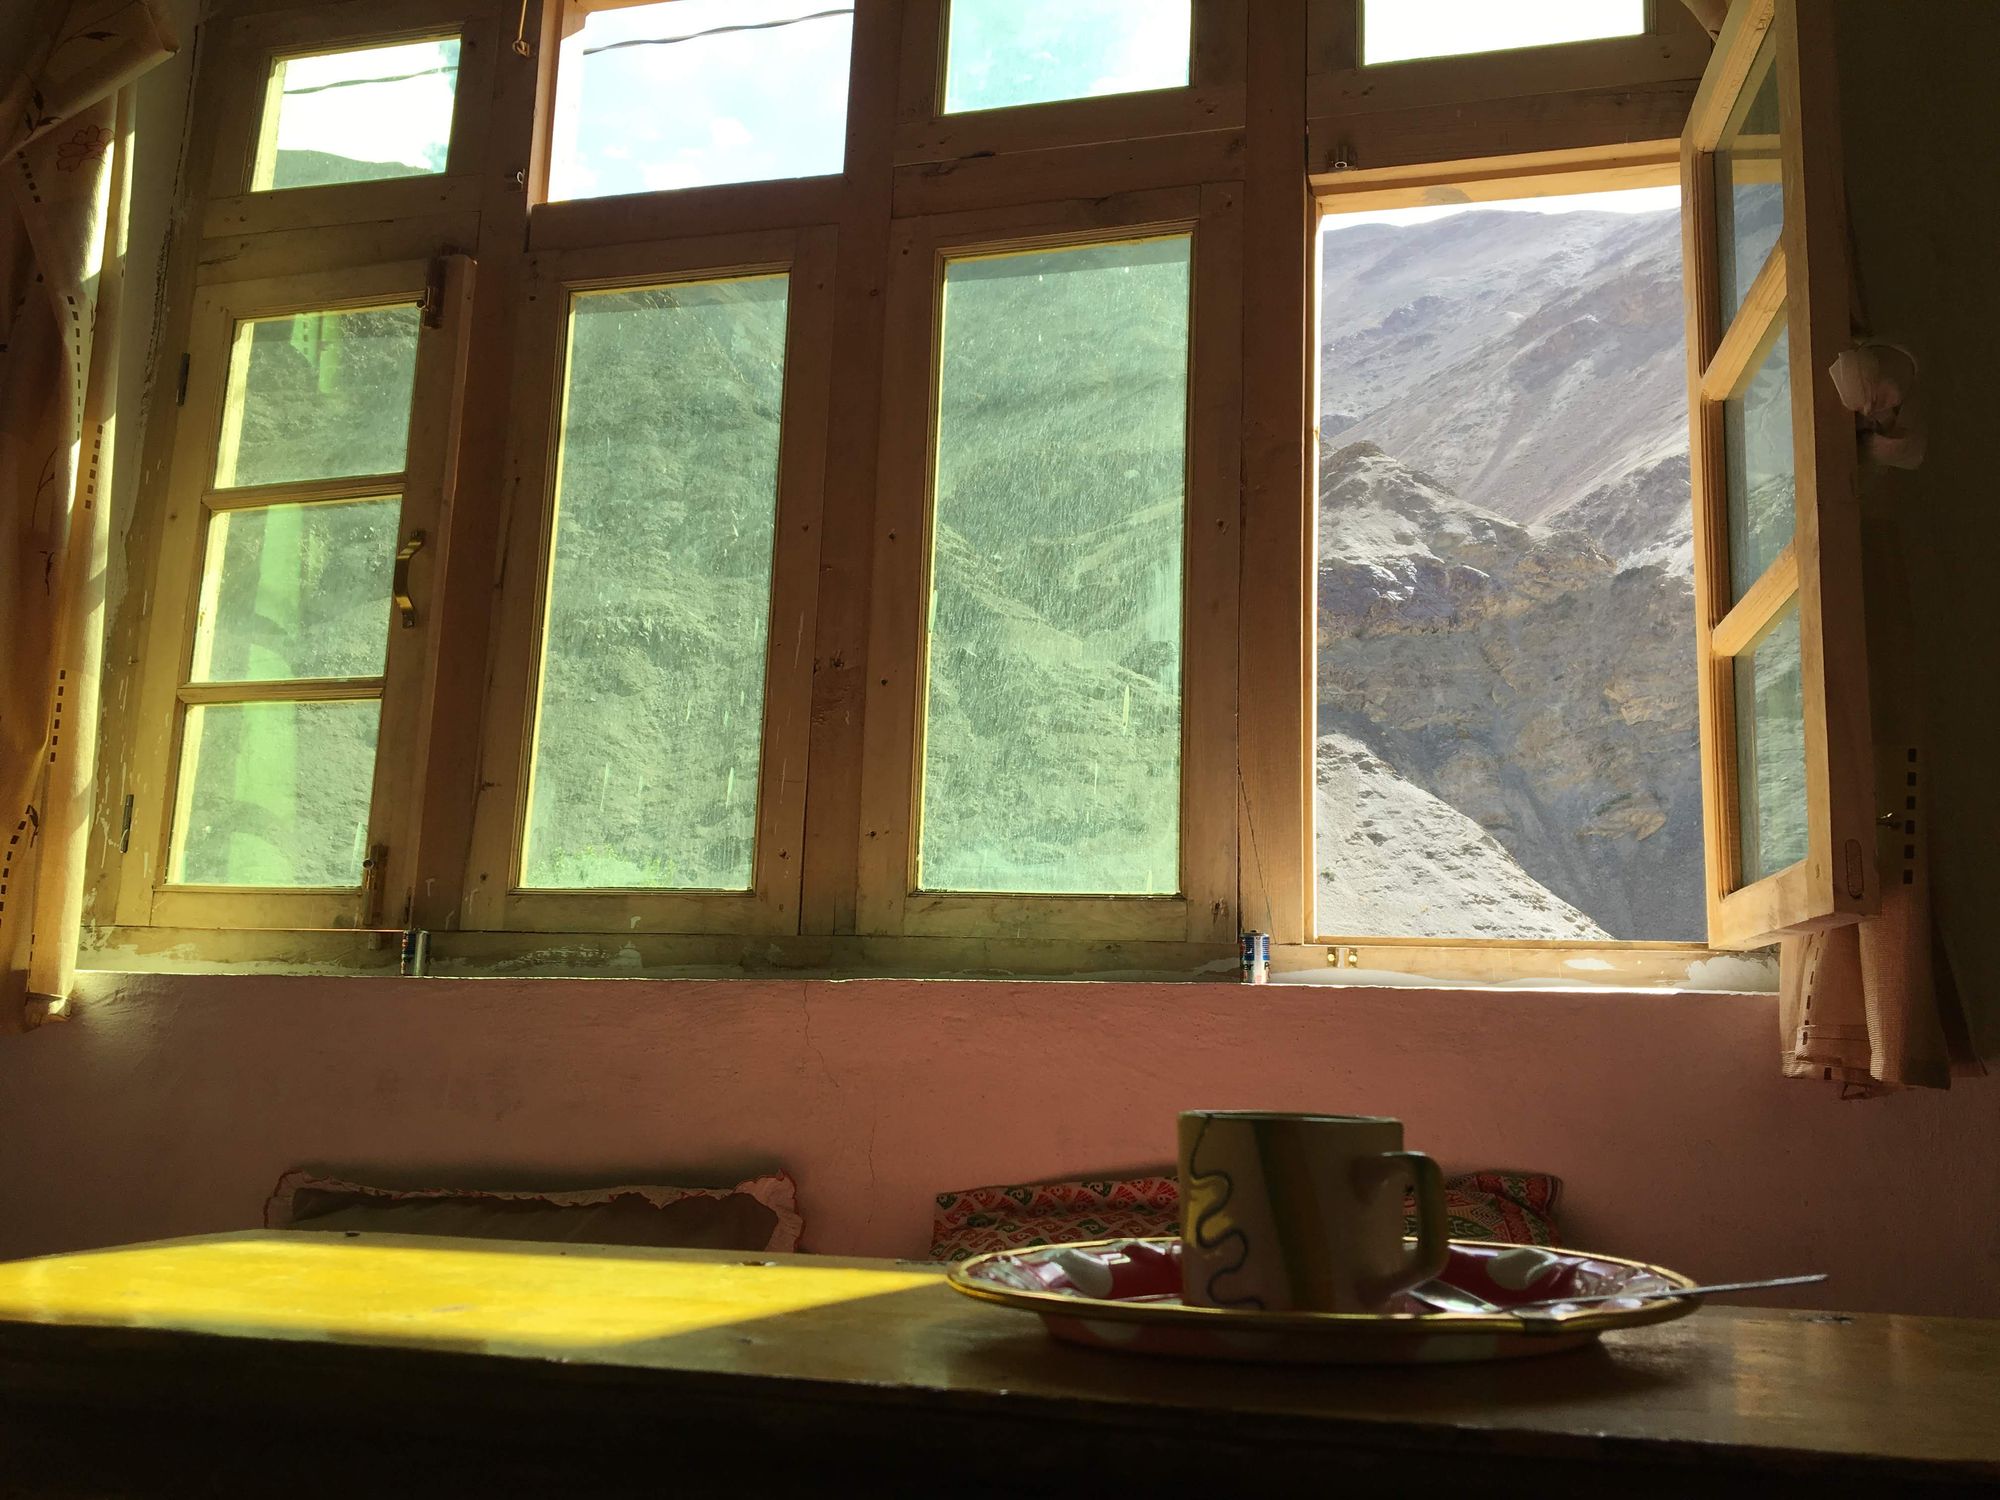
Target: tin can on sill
(1256,949)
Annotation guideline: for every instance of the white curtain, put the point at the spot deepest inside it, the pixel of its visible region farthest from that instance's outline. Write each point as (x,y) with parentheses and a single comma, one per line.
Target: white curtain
(64,123)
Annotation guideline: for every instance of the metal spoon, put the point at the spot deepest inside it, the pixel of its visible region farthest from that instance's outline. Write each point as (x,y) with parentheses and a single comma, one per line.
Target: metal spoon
(1449,1298)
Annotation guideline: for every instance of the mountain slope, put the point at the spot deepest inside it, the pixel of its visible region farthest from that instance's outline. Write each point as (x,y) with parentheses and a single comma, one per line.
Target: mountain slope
(1392,858)
(1532,362)
(1521,676)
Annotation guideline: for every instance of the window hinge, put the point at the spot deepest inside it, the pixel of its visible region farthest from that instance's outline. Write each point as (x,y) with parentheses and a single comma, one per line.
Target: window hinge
(181,383)
(433,303)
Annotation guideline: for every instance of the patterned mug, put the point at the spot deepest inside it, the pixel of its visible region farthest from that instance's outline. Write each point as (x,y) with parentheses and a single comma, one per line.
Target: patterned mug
(1303,1213)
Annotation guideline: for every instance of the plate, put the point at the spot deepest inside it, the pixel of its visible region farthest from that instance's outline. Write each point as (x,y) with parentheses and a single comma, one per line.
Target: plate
(1125,1295)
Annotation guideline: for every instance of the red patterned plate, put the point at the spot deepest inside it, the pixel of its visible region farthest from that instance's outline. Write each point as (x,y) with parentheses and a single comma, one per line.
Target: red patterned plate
(1125,1295)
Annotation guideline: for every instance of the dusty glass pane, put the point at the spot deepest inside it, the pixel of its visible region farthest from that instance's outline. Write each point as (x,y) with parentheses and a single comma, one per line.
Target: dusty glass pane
(357,116)
(275,794)
(1757,460)
(694,93)
(1395,30)
(320,395)
(290,591)
(650,725)
(1506,727)
(1053,728)
(1771,750)
(1749,195)
(1007,52)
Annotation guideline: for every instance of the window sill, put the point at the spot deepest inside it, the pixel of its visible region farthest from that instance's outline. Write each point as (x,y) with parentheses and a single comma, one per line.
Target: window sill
(484,955)
(1611,967)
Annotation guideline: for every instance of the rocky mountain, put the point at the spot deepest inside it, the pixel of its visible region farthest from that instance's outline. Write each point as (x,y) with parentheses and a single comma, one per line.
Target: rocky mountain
(1507,733)
(1532,362)
(1520,678)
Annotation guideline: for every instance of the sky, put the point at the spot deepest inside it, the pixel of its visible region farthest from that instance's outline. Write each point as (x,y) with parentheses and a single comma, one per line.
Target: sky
(1392,30)
(734,106)
(690,110)
(407,121)
(1629,201)
(688,93)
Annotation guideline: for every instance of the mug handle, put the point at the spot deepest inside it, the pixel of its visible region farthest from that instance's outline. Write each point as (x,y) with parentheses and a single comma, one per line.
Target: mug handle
(1433,1247)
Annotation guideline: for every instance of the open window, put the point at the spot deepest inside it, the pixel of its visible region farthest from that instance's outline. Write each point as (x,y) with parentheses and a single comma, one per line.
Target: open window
(290,623)
(1786,752)
(1504,736)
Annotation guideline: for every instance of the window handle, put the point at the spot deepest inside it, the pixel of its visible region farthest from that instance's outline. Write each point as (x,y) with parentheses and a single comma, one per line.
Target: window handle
(400,586)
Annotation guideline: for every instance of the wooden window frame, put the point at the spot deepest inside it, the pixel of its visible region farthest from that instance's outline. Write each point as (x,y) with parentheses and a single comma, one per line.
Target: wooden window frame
(1483,960)
(1212,99)
(249,46)
(1237,154)
(443,290)
(1803,288)
(1203,910)
(492,897)
(1502,105)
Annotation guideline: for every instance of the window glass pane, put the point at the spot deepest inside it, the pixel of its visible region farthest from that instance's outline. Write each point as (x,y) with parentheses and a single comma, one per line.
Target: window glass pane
(1394,30)
(1053,729)
(1507,738)
(356,116)
(1757,458)
(292,591)
(1771,750)
(318,395)
(692,93)
(1004,52)
(1749,195)
(275,794)
(650,727)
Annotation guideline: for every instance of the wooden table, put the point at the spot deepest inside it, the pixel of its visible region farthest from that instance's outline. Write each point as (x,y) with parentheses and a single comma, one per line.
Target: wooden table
(379,1364)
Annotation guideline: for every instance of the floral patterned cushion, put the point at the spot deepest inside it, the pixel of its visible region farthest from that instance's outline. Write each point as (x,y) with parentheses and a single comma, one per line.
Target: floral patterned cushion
(1514,1207)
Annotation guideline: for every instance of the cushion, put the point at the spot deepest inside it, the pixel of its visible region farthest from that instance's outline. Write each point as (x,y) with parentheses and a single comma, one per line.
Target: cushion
(1513,1207)
(973,1221)
(761,1214)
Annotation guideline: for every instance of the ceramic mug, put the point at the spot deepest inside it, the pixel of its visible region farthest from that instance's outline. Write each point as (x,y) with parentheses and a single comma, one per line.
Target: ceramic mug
(1303,1213)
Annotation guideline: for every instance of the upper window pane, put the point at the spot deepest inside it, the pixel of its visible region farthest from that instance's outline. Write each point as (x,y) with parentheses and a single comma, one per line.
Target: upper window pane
(1395,30)
(693,93)
(1052,736)
(1007,52)
(1506,742)
(1749,192)
(649,732)
(357,116)
(296,591)
(321,395)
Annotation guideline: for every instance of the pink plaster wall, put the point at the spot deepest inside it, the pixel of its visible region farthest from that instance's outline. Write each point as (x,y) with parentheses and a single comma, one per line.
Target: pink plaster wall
(170,1104)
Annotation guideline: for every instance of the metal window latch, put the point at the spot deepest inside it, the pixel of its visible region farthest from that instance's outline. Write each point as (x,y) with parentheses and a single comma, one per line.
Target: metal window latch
(400,584)
(374,870)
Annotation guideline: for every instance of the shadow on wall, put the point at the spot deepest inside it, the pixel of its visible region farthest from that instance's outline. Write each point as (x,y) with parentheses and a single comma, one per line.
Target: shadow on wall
(181,1099)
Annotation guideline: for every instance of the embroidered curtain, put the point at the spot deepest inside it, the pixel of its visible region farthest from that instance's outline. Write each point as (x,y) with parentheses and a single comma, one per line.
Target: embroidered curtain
(62,192)
(1873,1006)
